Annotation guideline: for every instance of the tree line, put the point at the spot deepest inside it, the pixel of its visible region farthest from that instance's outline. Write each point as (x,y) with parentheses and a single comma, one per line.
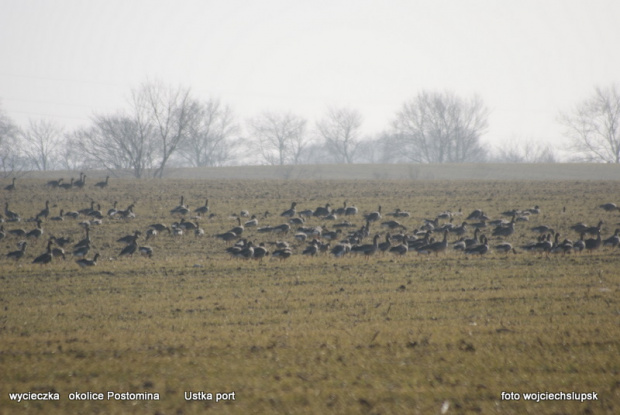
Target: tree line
(165,126)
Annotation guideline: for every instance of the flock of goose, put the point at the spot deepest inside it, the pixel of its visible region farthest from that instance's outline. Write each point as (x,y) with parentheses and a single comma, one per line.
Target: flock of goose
(381,233)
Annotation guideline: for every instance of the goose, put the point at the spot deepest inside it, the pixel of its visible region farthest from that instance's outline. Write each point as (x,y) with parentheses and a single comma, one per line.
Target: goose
(613,240)
(238,230)
(322,211)
(127,213)
(393,224)
(505,230)
(45,211)
(180,208)
(146,251)
(131,248)
(103,184)
(244,214)
(609,207)
(594,230)
(341,250)
(260,252)
(96,213)
(331,235)
(592,244)
(367,249)
(86,211)
(199,232)
(58,252)
(504,247)
(542,229)
(46,257)
(160,227)
(435,247)
(312,249)
(297,221)
(84,242)
(66,186)
(112,211)
(237,247)
(479,249)
(2,232)
(20,233)
(36,232)
(17,255)
(127,239)
(84,262)
(81,251)
(201,210)
(387,244)
(11,216)
(62,241)
(289,213)
(60,216)
(543,245)
(398,213)
(282,254)
(580,245)
(187,225)
(350,210)
(227,236)
(532,211)
(54,183)
(81,182)
(252,223)
(10,187)
(460,229)
(400,249)
(374,216)
(72,214)
(283,228)
(301,236)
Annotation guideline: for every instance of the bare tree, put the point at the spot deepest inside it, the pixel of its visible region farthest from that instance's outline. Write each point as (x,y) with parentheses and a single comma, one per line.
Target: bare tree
(441,127)
(341,131)
(117,142)
(210,140)
(41,143)
(10,159)
(171,111)
(593,126)
(281,137)
(528,151)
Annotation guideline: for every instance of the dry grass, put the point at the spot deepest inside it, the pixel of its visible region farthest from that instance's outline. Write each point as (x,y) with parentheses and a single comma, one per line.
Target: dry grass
(313,335)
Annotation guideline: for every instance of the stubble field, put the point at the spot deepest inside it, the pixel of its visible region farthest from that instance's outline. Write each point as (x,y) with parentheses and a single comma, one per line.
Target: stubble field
(311,334)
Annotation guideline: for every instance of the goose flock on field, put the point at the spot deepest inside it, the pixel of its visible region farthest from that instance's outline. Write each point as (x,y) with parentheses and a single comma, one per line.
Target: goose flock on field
(307,232)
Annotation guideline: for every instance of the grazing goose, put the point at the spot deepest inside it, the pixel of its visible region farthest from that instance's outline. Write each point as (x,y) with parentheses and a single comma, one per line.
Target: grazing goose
(609,207)
(504,247)
(72,214)
(54,183)
(374,216)
(393,224)
(282,254)
(289,213)
(476,214)
(160,227)
(613,240)
(103,184)
(19,254)
(10,187)
(201,210)
(146,251)
(46,257)
(127,239)
(283,228)
(66,186)
(260,251)
(187,225)
(84,262)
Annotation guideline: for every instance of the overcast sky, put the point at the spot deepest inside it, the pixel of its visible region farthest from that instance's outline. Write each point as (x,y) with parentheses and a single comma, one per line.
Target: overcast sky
(68,59)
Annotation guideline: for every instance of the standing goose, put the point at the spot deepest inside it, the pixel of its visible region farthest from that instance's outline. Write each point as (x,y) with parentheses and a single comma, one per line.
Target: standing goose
(10,187)
(202,209)
(374,216)
(289,213)
(103,184)
(180,208)
(367,249)
(45,211)
(237,230)
(10,215)
(592,244)
(613,240)
(350,210)
(322,210)
(84,262)
(435,247)
(131,248)
(47,257)
(36,232)
(81,182)
(260,252)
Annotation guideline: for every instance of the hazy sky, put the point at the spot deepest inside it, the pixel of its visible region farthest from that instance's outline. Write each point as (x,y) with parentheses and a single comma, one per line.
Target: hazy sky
(67,59)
